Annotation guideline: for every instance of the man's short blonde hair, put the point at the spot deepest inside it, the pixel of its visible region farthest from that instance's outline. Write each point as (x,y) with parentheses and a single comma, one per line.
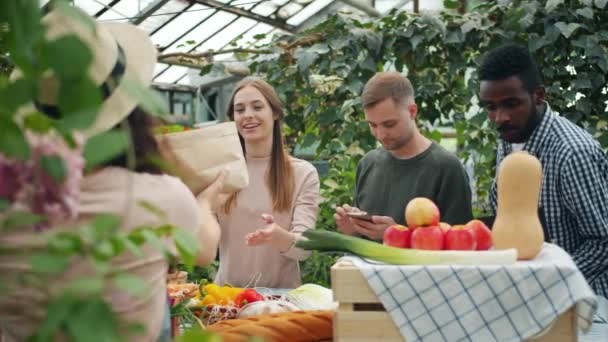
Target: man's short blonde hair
(387,84)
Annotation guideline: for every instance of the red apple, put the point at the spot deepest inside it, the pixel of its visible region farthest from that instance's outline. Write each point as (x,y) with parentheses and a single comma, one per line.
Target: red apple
(430,238)
(444,226)
(397,235)
(460,238)
(421,211)
(483,235)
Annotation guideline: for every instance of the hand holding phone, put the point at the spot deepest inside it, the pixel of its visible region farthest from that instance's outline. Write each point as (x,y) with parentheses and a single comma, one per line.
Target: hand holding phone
(360,215)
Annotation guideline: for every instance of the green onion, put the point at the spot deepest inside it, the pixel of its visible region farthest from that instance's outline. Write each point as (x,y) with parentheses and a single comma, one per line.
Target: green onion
(326,241)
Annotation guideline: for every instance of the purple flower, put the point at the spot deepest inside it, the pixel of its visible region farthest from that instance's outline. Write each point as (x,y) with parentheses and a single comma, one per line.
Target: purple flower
(10,180)
(28,186)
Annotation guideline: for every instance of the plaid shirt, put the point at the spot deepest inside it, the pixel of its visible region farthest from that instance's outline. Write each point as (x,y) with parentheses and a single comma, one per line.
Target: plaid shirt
(574,193)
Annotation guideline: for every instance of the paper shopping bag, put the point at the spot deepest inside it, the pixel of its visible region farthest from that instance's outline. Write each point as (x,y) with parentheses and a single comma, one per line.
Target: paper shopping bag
(199,155)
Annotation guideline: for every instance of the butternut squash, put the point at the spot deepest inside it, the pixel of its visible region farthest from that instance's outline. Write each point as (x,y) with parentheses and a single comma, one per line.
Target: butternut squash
(518,189)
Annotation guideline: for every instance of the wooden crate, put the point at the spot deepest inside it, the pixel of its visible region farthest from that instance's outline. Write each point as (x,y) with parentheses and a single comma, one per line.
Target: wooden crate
(362,318)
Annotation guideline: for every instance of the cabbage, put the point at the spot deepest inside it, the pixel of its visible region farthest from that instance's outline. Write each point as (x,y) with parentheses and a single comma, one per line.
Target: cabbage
(312,297)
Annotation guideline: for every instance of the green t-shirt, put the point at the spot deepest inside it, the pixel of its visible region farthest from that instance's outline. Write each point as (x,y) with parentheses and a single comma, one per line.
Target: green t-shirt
(385,184)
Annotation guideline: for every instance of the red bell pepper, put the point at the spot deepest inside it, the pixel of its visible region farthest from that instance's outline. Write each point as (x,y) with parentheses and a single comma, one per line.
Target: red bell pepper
(246,297)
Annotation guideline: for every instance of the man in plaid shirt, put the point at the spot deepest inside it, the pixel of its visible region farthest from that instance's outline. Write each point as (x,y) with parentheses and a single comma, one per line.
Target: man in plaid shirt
(574,194)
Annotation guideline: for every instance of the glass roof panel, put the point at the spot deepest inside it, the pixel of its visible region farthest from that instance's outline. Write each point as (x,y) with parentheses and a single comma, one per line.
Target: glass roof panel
(172,74)
(181,24)
(308,11)
(89,6)
(122,10)
(207,30)
(280,2)
(218,41)
(159,67)
(185,80)
(289,10)
(265,8)
(162,15)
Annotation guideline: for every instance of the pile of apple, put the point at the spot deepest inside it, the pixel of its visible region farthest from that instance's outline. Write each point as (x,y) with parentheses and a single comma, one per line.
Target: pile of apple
(425,231)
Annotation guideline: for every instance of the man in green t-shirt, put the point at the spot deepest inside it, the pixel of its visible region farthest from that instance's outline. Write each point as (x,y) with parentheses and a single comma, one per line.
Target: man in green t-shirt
(408,165)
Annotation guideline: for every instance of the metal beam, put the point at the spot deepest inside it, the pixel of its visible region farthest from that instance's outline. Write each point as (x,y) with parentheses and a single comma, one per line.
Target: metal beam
(244,13)
(144,13)
(106,8)
(369,10)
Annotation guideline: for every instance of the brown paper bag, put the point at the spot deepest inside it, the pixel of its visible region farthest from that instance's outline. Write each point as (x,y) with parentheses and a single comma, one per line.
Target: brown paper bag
(197,156)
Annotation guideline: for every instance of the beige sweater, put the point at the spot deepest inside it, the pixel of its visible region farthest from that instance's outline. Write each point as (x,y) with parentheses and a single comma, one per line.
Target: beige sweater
(115,191)
(265,266)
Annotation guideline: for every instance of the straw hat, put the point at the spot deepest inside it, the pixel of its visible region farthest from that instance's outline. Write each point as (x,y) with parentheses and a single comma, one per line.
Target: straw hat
(120,52)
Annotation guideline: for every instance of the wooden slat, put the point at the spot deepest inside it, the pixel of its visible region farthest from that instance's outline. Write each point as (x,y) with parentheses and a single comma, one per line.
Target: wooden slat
(362,326)
(349,285)
(565,329)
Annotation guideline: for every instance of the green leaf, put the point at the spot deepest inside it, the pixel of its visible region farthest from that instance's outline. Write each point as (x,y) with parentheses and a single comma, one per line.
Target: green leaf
(15,94)
(38,123)
(585,12)
(67,243)
(153,209)
(149,100)
(567,29)
(19,219)
(69,57)
(187,246)
(104,147)
(104,250)
(153,240)
(25,34)
(4,204)
(54,167)
(451,4)
(87,286)
(259,36)
(58,313)
(134,285)
(132,247)
(190,42)
(193,335)
(305,59)
(600,3)
(79,103)
(206,69)
(454,37)
(49,263)
(552,4)
(582,82)
(93,321)
(106,225)
(12,140)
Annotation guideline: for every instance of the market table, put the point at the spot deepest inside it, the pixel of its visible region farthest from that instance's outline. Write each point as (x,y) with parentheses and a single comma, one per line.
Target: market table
(545,299)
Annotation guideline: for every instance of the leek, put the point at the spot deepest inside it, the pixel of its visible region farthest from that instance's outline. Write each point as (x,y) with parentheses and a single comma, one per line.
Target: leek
(326,241)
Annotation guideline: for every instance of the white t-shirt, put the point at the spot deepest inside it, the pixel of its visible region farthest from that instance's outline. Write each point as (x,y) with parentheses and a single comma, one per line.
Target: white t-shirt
(517,147)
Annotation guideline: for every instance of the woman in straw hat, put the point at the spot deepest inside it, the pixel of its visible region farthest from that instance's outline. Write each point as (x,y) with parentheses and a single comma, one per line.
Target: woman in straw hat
(121,51)
(261,223)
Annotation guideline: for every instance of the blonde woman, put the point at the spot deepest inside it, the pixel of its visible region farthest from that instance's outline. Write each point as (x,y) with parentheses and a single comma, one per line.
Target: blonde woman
(261,223)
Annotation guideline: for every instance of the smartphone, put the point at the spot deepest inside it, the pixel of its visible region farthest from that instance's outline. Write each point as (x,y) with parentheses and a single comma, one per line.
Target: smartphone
(360,215)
